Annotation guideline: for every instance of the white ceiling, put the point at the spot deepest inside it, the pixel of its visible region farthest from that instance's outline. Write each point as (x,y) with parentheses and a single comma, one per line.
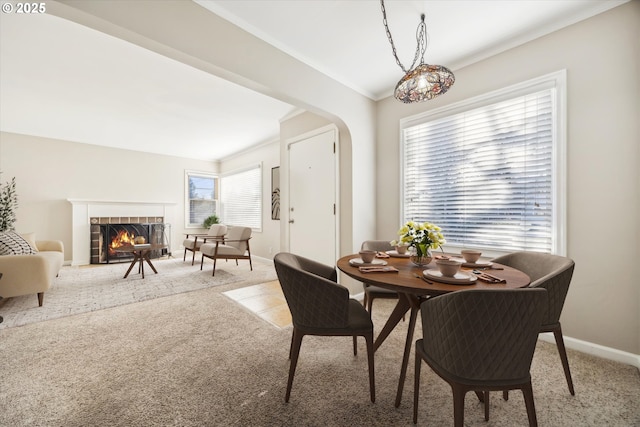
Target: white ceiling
(61,80)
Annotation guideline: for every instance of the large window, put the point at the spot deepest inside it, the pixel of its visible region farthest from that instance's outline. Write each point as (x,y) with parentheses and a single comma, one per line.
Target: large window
(490,171)
(202,195)
(241,195)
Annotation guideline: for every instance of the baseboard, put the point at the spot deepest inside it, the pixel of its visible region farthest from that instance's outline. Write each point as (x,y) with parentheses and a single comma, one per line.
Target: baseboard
(579,345)
(261,258)
(596,350)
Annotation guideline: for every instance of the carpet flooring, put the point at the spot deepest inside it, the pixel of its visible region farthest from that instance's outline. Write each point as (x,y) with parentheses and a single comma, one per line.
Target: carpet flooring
(200,359)
(89,288)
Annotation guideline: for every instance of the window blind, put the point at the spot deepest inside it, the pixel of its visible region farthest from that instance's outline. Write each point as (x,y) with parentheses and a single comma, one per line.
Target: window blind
(485,176)
(241,195)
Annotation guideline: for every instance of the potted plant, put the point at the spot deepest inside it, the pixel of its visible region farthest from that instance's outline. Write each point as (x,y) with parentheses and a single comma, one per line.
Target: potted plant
(209,221)
(8,205)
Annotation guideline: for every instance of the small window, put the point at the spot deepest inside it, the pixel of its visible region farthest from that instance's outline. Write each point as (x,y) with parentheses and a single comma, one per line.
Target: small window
(241,196)
(201,197)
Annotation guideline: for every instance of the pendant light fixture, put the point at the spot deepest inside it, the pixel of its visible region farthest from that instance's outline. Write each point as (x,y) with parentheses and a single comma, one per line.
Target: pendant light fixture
(422,82)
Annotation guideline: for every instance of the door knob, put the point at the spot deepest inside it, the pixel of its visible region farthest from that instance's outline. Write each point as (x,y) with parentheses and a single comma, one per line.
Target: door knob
(290,221)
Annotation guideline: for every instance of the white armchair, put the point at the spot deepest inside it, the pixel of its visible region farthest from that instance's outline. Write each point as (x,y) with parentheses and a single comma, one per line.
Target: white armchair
(194,241)
(234,246)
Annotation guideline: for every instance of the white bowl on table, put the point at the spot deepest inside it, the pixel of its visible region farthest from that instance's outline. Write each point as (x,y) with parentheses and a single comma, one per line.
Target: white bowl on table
(470,255)
(448,267)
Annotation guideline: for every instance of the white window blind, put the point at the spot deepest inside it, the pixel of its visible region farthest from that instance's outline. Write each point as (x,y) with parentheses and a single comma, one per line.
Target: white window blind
(241,194)
(486,175)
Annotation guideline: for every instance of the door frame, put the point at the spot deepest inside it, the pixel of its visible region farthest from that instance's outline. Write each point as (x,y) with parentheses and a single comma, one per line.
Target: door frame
(285,199)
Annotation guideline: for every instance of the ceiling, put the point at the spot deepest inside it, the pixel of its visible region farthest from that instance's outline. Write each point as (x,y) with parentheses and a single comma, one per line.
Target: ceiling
(61,80)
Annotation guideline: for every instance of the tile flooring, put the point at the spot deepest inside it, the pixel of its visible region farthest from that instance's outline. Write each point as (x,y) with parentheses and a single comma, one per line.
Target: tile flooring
(265,300)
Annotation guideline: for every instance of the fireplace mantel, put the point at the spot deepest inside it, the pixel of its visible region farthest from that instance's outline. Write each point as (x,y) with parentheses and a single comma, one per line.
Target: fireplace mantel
(83,209)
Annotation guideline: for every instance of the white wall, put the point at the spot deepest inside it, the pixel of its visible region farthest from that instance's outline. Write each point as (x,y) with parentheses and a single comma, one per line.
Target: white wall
(601,56)
(49,171)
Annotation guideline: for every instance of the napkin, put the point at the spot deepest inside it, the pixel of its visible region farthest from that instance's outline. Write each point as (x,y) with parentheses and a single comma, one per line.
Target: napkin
(378,269)
(486,277)
(382,255)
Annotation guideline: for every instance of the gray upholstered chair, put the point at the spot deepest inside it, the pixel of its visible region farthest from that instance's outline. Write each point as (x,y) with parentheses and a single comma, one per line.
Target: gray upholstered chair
(320,306)
(193,242)
(481,340)
(372,292)
(235,245)
(553,273)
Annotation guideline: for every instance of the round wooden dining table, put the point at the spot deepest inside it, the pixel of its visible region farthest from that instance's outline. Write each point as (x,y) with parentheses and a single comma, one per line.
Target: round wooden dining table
(413,290)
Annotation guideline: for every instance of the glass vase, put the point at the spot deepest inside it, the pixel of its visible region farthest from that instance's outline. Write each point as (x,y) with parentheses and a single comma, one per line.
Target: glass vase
(420,257)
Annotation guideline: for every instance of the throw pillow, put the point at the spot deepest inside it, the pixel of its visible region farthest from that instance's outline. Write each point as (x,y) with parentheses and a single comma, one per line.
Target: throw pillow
(11,243)
(31,239)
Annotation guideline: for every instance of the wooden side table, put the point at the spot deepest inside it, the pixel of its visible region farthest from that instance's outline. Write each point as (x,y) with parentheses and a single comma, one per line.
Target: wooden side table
(140,254)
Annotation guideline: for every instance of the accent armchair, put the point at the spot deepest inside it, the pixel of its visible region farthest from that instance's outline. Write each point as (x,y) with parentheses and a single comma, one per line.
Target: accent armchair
(193,242)
(234,245)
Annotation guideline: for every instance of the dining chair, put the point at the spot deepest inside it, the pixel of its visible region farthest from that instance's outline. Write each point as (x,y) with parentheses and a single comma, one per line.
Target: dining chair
(480,340)
(194,242)
(320,306)
(553,273)
(234,245)
(371,291)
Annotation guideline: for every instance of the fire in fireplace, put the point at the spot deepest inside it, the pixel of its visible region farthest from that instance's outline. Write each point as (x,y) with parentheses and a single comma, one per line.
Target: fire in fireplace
(106,238)
(118,235)
(123,238)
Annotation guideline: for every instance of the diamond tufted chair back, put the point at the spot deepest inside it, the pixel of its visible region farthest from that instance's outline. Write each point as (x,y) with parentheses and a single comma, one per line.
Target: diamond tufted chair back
(314,298)
(320,306)
(553,273)
(481,340)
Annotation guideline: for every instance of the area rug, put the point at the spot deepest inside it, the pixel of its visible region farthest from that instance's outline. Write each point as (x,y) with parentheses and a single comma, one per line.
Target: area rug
(89,288)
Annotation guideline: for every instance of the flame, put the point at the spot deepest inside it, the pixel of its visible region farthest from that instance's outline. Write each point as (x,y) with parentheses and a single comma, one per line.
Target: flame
(123,238)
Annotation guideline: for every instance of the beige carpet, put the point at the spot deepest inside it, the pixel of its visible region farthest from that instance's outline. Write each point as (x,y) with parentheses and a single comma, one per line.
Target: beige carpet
(200,359)
(81,289)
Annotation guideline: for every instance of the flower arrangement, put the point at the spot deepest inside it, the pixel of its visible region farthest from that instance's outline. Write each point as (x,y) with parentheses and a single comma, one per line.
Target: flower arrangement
(423,237)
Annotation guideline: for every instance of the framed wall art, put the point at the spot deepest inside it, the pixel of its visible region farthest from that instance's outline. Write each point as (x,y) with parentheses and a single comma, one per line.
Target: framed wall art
(275,193)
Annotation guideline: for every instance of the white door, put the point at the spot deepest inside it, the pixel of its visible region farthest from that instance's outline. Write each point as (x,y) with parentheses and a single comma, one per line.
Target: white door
(312,198)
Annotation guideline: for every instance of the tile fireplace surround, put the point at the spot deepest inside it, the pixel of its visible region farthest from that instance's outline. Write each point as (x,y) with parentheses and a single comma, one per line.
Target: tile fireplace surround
(105,229)
(85,210)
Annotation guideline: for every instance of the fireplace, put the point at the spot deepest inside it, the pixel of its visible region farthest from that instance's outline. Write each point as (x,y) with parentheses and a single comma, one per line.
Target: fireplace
(86,214)
(108,234)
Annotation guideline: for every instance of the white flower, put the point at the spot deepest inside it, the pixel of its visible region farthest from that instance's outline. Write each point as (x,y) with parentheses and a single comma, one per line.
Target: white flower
(421,236)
